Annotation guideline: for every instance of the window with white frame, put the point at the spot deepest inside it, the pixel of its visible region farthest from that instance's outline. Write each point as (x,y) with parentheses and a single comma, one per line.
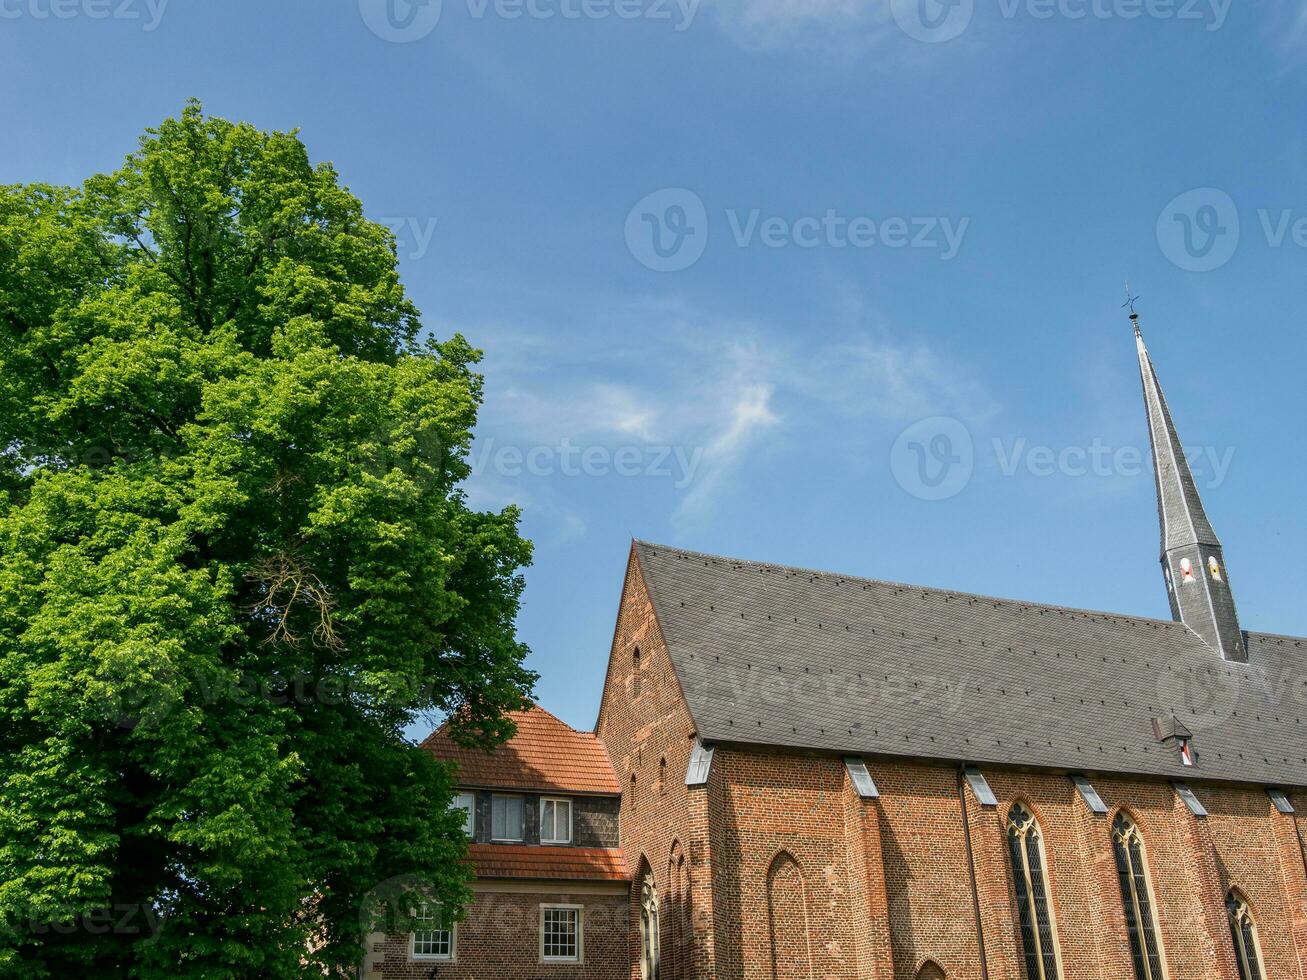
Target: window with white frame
(467,802)
(555,821)
(433,936)
(560,933)
(507,818)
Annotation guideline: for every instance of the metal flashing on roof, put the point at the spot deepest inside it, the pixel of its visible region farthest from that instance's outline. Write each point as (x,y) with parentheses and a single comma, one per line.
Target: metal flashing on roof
(1089,794)
(980,786)
(700,765)
(862,781)
(1191,801)
(1281,800)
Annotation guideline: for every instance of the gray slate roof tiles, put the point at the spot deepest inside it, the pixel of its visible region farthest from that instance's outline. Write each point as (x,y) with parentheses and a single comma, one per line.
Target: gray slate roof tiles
(780,656)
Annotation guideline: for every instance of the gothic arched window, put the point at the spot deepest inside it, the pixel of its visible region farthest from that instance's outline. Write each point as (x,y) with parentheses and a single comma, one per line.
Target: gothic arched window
(1026,847)
(1137,897)
(649,945)
(1247,951)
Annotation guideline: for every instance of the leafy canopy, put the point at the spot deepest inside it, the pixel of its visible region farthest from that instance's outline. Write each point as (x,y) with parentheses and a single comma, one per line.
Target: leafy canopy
(234,565)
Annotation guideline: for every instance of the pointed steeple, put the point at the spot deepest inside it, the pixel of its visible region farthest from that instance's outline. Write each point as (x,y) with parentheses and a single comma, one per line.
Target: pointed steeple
(1193,561)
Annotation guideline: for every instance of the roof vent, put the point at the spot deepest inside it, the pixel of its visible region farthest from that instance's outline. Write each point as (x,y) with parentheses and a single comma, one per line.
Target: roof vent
(980,786)
(1281,800)
(861,778)
(1089,795)
(700,764)
(1191,801)
(1172,730)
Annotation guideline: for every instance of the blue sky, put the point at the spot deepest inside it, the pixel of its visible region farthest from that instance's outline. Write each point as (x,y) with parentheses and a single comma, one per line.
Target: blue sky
(819,282)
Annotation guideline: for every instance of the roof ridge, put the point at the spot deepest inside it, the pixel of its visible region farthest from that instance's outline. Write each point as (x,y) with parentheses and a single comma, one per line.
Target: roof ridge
(1032,603)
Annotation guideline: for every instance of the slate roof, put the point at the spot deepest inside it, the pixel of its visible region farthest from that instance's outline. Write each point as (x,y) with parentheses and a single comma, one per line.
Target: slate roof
(545,755)
(524,861)
(780,656)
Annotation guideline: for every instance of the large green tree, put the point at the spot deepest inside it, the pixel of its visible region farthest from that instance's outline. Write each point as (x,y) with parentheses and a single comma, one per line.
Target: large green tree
(235,564)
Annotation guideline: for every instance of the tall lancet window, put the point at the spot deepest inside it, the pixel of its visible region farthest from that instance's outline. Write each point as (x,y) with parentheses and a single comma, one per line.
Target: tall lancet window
(1137,897)
(1033,907)
(650,954)
(1247,951)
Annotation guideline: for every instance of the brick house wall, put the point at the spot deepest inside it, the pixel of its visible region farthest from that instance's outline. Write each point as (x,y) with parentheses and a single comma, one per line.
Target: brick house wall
(499,939)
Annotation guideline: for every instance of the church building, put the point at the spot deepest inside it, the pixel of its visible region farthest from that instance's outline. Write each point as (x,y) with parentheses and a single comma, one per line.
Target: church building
(820,776)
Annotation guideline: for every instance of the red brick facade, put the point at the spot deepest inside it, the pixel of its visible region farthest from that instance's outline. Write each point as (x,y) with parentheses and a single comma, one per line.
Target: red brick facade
(499,940)
(777,869)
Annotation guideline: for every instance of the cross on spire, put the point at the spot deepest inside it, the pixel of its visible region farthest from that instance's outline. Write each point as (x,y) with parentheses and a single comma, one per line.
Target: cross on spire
(1129,301)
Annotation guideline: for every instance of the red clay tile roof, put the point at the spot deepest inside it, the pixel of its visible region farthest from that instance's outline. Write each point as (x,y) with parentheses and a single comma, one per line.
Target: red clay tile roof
(553,863)
(545,754)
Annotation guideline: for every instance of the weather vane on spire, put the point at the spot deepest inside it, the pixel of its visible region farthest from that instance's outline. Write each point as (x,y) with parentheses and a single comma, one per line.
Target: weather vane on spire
(1129,301)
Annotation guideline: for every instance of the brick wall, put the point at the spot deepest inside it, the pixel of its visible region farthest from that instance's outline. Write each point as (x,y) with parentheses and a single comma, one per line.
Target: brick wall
(499,940)
(663,825)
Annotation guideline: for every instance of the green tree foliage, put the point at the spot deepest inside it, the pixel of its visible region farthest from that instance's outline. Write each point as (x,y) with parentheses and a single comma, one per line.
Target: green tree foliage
(235,564)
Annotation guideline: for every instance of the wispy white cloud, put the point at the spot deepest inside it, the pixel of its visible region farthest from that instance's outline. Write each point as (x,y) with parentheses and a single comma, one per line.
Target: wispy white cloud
(721,392)
(750,417)
(763,25)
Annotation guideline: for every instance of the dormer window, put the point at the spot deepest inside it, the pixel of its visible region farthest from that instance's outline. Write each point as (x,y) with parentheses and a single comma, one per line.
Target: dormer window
(1186,570)
(555,821)
(508,819)
(1214,568)
(467,802)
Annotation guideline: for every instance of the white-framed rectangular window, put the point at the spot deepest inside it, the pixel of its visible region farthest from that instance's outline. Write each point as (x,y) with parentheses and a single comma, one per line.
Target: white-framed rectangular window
(561,928)
(467,802)
(433,937)
(507,818)
(555,821)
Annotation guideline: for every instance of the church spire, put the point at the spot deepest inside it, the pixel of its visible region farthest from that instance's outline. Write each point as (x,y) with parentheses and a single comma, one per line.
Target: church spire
(1193,562)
